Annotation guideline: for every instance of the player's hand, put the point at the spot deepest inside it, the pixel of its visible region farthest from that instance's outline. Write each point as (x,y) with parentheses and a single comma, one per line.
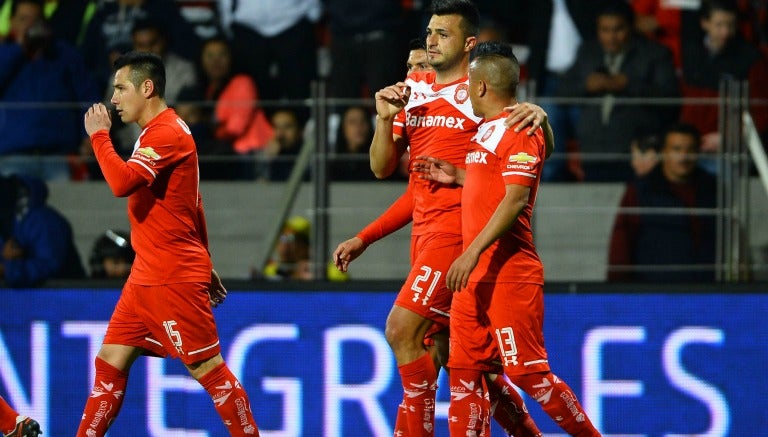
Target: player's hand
(391,100)
(434,169)
(217,293)
(523,115)
(458,274)
(346,252)
(97,118)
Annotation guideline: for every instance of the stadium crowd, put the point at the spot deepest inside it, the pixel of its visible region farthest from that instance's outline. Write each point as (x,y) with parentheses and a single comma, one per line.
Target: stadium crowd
(233,65)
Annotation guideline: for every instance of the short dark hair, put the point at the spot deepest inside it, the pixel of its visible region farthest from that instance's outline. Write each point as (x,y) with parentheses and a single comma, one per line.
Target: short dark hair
(149,24)
(470,22)
(686,129)
(507,71)
(709,6)
(144,66)
(417,44)
(618,8)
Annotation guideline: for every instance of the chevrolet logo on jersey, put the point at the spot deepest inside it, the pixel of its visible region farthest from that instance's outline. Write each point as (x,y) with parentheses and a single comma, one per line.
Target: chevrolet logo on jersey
(148,152)
(476,158)
(522,158)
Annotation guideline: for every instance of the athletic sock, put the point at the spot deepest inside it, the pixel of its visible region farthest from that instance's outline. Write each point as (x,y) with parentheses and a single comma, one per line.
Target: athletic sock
(419,380)
(7,417)
(558,401)
(103,405)
(401,422)
(469,407)
(230,400)
(508,408)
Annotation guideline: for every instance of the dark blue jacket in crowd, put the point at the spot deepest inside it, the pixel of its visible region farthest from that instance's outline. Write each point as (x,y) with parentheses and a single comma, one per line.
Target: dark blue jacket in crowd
(669,239)
(34,93)
(43,233)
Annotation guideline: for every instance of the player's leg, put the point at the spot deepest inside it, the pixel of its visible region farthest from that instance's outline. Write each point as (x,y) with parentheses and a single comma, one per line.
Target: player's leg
(180,318)
(517,317)
(14,425)
(125,340)
(508,407)
(229,397)
(405,331)
(106,398)
(423,301)
(469,360)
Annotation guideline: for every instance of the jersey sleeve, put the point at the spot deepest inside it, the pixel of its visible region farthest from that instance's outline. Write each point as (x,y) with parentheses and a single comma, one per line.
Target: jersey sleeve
(399,214)
(121,178)
(521,157)
(158,151)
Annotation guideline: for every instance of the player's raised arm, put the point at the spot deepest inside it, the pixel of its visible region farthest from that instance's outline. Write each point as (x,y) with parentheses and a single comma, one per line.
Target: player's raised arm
(387,148)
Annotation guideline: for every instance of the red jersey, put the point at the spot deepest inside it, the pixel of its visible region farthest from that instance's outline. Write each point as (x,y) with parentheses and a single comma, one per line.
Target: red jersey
(167,227)
(498,157)
(437,121)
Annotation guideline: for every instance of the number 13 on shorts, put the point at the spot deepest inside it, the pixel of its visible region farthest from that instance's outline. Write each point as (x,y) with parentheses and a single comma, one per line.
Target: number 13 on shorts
(507,346)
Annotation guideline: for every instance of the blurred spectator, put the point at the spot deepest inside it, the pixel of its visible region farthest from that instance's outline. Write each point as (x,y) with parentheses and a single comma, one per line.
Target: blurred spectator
(109,32)
(36,240)
(291,260)
(355,133)
(618,64)
(491,30)
(214,157)
(237,119)
(112,255)
(274,41)
(203,15)
(149,35)
(721,53)
(68,23)
(365,44)
(669,247)
(645,148)
(286,144)
(556,28)
(44,88)
(667,22)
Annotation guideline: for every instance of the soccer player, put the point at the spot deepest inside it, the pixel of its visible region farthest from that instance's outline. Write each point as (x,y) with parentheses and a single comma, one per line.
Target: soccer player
(430,112)
(417,57)
(12,424)
(499,278)
(166,304)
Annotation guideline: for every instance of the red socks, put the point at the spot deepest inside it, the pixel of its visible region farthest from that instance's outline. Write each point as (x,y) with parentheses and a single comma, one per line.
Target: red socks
(508,408)
(420,387)
(105,400)
(558,401)
(7,417)
(231,401)
(468,411)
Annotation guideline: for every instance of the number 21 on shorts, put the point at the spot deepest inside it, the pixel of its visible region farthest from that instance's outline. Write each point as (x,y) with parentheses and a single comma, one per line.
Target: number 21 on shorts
(427,277)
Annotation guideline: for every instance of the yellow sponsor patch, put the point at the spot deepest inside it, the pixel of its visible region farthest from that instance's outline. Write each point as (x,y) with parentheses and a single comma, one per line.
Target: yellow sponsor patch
(522,158)
(148,152)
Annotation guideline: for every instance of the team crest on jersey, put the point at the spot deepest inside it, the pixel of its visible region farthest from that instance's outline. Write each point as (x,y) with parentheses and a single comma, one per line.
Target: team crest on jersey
(462,93)
(522,158)
(488,133)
